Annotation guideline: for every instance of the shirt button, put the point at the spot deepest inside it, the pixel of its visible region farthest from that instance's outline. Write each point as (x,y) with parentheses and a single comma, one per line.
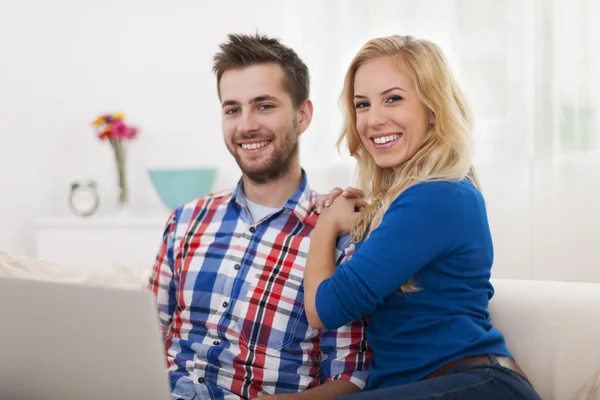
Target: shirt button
(200,380)
(216,343)
(225,304)
(252,229)
(237,266)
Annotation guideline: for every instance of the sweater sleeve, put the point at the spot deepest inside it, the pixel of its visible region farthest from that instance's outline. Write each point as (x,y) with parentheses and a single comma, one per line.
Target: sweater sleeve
(422,224)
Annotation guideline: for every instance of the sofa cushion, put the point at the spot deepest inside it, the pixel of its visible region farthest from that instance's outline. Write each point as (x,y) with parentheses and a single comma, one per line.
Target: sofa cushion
(20,266)
(553,330)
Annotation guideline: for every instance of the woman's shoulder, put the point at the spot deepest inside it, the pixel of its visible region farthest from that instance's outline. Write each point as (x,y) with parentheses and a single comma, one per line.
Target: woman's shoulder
(441,195)
(440,190)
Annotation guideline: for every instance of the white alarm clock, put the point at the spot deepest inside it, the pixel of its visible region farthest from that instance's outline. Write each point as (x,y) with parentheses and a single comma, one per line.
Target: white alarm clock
(84,199)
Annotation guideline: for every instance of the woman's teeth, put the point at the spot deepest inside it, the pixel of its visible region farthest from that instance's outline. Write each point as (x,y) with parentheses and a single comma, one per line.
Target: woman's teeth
(386,139)
(254,146)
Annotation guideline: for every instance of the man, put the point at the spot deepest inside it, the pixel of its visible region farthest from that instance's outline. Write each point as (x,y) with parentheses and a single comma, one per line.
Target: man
(229,275)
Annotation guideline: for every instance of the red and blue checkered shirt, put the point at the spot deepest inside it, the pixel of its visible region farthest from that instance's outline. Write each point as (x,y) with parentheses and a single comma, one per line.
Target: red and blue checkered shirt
(231,302)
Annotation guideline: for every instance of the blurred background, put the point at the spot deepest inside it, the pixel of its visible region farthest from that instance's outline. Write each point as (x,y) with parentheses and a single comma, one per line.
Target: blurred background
(530,69)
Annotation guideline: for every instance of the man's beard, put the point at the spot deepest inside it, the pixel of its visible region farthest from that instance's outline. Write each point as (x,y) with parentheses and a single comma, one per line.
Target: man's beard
(277,164)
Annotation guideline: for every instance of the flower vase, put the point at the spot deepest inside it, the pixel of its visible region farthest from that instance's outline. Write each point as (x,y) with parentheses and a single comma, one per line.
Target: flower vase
(120,158)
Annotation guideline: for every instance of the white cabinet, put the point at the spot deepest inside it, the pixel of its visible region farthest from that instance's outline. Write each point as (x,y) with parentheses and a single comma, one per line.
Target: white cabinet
(131,241)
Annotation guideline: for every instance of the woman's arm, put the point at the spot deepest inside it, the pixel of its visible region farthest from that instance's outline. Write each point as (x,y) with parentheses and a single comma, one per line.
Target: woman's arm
(320,265)
(425,222)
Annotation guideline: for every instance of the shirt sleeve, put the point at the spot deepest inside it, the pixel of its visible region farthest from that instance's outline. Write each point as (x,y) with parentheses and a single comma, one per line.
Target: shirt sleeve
(161,282)
(422,224)
(345,350)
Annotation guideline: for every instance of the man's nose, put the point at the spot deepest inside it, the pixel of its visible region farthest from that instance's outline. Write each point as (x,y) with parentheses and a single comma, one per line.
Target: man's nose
(248,123)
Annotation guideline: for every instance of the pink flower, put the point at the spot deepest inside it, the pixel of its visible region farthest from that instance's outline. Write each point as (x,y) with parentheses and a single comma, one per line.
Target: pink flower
(120,129)
(132,133)
(113,127)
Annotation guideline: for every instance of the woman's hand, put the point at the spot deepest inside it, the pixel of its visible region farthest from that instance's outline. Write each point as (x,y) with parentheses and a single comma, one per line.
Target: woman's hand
(342,215)
(325,200)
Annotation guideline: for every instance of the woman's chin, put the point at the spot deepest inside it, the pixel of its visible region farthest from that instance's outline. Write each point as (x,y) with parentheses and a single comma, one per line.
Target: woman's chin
(389,162)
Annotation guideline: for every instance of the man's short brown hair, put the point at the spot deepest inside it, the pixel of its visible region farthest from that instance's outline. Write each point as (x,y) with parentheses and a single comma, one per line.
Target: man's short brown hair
(242,51)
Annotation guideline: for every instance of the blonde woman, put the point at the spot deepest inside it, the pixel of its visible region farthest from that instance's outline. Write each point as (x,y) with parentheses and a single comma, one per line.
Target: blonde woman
(420,271)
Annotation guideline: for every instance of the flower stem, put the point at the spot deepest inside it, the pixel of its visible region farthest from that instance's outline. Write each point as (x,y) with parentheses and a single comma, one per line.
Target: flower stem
(120,159)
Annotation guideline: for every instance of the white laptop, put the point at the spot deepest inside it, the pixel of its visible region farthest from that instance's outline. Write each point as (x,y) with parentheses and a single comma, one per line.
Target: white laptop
(67,342)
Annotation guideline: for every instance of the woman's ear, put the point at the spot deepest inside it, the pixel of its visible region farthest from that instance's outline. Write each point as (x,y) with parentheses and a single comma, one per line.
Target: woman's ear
(431,118)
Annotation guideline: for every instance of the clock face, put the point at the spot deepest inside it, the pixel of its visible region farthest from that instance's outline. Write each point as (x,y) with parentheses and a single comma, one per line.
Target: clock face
(84,201)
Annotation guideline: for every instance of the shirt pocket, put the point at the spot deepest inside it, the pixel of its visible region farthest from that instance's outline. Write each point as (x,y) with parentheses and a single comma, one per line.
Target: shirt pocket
(272,313)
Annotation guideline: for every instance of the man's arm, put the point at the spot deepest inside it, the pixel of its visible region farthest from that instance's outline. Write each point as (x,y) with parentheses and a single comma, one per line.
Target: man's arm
(346,353)
(161,282)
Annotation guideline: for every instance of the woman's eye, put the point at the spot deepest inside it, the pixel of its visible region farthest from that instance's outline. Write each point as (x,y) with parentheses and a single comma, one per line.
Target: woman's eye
(362,104)
(394,99)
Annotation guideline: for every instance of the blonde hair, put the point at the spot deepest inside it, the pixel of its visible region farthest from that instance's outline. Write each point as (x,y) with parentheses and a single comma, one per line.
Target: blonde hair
(444,154)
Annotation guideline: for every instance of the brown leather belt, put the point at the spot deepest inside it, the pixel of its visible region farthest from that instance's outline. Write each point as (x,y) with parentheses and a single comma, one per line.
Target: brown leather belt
(504,361)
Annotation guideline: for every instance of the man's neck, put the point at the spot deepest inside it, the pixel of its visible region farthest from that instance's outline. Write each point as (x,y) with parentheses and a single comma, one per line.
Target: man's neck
(274,193)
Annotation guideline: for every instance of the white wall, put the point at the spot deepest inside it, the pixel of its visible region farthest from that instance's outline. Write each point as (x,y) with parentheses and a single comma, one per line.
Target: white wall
(66,61)
(63,62)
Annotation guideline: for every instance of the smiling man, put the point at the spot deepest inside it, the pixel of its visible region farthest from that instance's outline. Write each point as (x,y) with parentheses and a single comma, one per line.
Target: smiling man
(229,274)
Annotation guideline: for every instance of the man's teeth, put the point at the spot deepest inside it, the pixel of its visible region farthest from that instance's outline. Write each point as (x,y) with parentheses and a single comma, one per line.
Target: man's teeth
(253,146)
(386,139)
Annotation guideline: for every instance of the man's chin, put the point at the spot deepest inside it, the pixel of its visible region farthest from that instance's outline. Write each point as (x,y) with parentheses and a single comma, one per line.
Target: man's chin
(262,175)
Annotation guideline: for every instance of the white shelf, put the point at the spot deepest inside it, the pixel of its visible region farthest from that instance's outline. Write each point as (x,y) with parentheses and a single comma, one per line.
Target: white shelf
(126,240)
(121,221)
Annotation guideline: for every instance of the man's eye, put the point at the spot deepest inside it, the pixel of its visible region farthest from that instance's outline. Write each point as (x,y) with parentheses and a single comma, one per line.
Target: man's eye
(265,106)
(362,104)
(231,111)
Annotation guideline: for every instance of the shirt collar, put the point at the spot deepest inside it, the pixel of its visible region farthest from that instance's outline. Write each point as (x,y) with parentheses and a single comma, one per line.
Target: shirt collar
(301,203)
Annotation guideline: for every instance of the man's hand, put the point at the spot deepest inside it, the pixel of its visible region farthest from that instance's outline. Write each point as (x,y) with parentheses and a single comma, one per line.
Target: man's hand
(325,200)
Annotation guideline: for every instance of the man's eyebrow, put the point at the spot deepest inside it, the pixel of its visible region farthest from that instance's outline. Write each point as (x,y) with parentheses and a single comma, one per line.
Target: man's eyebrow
(257,99)
(229,103)
(264,97)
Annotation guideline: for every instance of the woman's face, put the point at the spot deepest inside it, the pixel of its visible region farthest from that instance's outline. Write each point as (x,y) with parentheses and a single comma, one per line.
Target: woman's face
(390,118)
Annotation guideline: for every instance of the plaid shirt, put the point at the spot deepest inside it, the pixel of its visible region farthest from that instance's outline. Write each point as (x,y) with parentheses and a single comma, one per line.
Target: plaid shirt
(231,302)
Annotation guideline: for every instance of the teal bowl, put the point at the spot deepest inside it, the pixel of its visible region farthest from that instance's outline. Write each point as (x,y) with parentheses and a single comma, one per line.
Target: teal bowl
(177,186)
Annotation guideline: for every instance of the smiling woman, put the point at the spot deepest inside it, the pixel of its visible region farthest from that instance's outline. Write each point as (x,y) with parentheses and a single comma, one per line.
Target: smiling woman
(391,121)
(424,251)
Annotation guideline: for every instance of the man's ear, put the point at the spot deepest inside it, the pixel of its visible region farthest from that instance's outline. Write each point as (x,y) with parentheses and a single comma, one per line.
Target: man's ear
(306,112)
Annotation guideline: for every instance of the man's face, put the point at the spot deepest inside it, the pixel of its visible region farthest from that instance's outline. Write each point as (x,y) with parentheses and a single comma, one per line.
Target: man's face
(260,124)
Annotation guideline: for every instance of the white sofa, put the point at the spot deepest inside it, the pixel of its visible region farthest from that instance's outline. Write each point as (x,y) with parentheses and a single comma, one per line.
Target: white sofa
(552,328)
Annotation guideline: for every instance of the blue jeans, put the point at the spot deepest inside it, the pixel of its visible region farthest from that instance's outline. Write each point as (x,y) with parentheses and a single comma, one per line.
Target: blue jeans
(468,381)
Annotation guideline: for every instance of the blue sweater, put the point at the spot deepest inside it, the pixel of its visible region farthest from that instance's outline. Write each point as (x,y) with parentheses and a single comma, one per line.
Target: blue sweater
(437,233)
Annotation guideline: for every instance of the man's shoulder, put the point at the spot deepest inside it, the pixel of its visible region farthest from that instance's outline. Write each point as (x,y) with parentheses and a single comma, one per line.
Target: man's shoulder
(212,199)
(194,208)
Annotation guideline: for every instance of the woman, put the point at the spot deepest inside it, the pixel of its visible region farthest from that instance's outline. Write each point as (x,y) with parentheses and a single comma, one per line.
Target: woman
(424,252)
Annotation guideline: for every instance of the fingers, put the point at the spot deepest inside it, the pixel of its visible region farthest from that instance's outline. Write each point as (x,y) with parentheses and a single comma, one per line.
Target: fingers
(324,201)
(353,193)
(360,203)
(331,196)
